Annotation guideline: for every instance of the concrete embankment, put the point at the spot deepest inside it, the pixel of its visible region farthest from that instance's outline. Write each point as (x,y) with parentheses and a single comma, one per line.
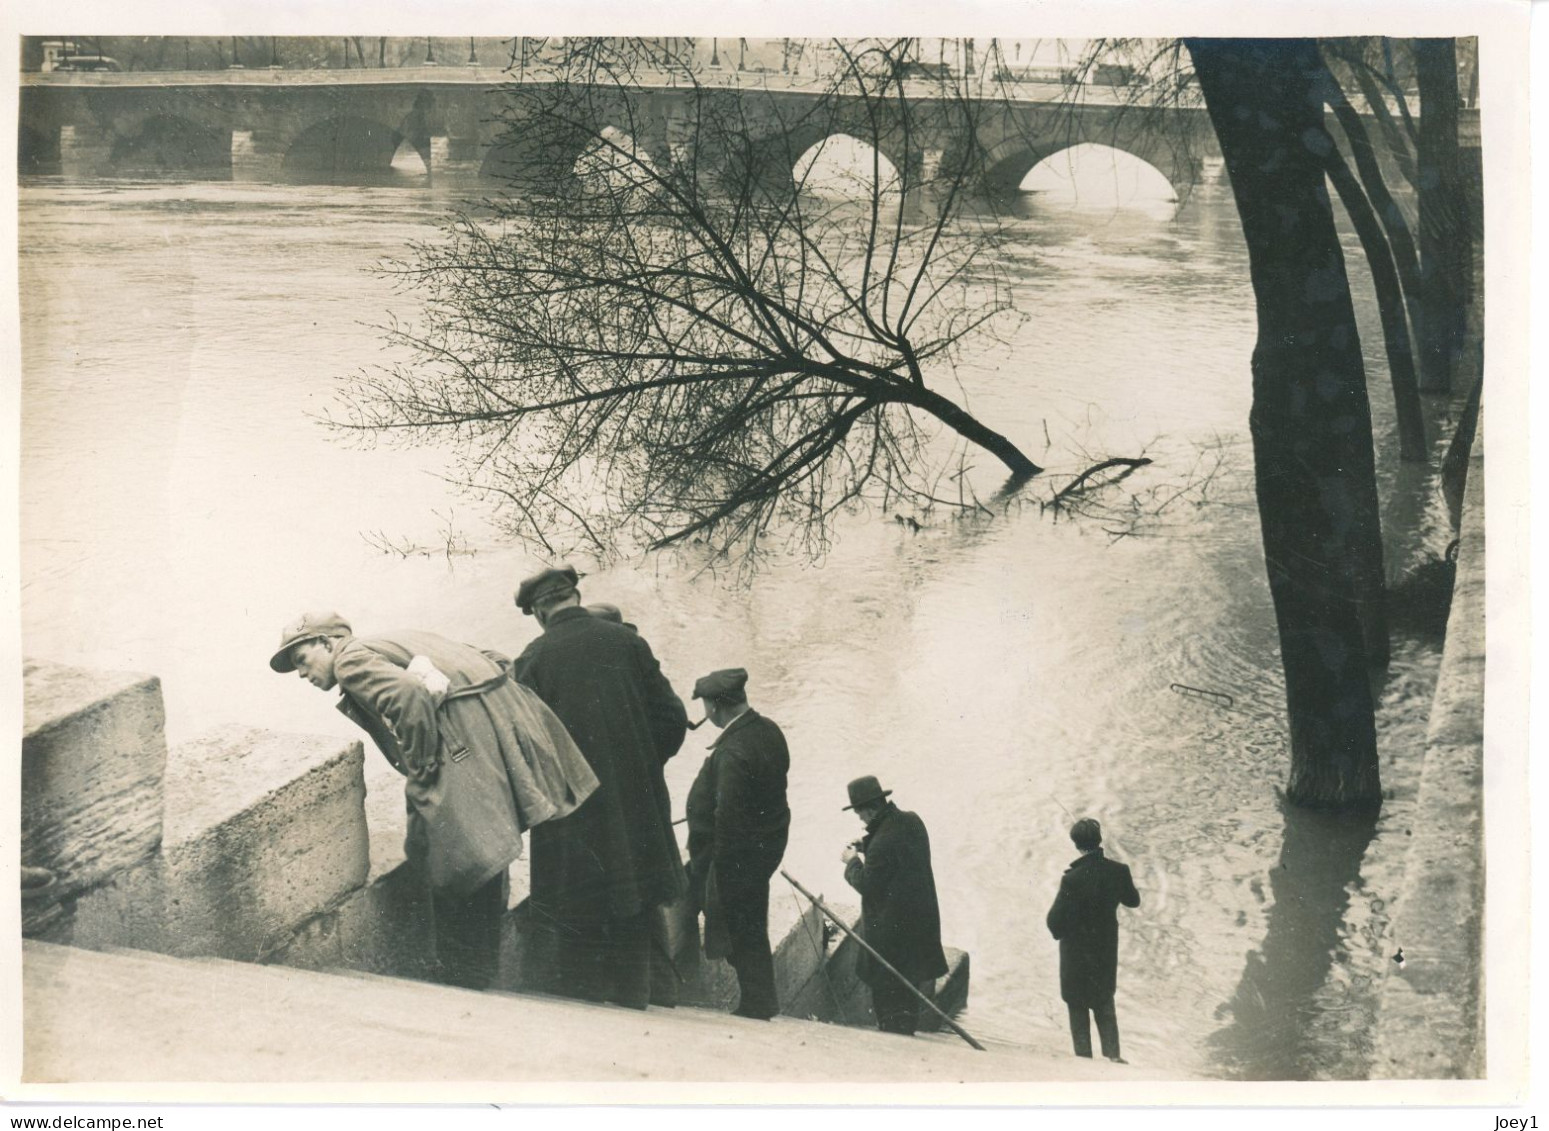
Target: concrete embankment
(132,1016)
(1430,1020)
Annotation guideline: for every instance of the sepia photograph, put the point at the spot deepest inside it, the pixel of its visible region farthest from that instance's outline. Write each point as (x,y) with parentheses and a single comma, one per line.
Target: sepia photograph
(771,568)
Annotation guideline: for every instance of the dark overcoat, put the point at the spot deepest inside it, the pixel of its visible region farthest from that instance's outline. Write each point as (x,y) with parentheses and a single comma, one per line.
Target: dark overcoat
(616,856)
(1085,920)
(738,820)
(899,914)
(482,764)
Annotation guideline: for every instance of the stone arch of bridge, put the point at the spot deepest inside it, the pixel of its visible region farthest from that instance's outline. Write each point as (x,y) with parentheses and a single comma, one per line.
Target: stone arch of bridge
(1007,164)
(779,155)
(168,143)
(347,144)
(526,155)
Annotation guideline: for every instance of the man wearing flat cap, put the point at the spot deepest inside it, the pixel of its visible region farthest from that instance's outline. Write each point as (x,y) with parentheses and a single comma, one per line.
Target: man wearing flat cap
(1085,920)
(483,760)
(599,875)
(738,821)
(891,868)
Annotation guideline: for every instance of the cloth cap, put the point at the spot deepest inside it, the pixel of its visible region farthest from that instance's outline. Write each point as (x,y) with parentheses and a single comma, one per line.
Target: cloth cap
(308,626)
(547,583)
(724,684)
(865,791)
(1086,833)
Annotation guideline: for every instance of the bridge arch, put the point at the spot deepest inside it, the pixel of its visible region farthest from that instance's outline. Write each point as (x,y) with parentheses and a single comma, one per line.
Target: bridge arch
(347,145)
(166,143)
(1103,175)
(844,162)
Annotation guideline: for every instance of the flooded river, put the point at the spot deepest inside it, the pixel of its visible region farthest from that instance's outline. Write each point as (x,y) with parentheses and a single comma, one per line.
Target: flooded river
(180,502)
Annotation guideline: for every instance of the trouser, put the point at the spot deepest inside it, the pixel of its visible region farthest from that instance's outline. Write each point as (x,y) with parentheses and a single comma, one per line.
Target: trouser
(897,1009)
(467,934)
(604,959)
(1107,1028)
(745,905)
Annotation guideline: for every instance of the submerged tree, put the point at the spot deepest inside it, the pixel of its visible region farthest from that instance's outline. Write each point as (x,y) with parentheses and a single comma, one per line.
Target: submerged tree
(1311,421)
(663,336)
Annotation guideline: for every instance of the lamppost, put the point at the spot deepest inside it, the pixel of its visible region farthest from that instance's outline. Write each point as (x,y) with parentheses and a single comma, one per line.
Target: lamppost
(742,53)
(473,59)
(715,52)
(785,58)
(430,58)
(236,60)
(274,58)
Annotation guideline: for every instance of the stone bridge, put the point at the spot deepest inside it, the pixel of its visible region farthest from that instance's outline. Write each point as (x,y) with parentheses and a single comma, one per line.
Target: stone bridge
(269,124)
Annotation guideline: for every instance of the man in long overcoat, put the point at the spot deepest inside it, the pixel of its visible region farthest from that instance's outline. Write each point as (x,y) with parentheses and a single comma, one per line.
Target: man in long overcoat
(483,760)
(599,874)
(891,868)
(738,821)
(1085,920)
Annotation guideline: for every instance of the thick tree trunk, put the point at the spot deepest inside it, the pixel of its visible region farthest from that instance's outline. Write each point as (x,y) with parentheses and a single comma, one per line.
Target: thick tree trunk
(1390,304)
(1444,234)
(1311,421)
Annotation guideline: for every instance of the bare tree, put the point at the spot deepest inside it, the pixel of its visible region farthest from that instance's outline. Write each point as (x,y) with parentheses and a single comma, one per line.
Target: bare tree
(662,335)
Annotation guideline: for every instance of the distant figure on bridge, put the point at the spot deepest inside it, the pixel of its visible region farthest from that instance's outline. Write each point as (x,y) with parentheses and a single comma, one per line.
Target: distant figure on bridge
(599,875)
(1085,921)
(484,759)
(890,866)
(738,821)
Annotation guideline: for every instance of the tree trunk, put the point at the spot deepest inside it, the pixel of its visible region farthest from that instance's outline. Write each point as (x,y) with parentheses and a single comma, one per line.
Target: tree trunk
(1390,304)
(1443,218)
(1311,421)
(1397,140)
(1400,239)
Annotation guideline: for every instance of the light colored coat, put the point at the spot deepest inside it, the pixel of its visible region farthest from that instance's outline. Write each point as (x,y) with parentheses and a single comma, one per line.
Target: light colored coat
(482,766)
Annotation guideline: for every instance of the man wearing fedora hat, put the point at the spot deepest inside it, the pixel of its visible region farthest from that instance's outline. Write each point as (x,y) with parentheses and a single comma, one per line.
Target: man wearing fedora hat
(599,875)
(1084,919)
(483,760)
(891,868)
(738,821)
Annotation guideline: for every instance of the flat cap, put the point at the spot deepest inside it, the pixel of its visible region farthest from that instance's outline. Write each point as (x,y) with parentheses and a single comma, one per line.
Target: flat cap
(308,626)
(546,583)
(716,685)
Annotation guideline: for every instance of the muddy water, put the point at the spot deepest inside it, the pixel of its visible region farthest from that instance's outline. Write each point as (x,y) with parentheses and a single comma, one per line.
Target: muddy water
(1000,673)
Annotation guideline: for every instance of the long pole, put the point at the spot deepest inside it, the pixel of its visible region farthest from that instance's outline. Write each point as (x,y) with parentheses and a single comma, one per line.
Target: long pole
(886,965)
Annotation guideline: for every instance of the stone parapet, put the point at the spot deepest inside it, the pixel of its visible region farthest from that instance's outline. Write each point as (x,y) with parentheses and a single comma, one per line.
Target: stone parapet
(263,832)
(93,754)
(1430,1020)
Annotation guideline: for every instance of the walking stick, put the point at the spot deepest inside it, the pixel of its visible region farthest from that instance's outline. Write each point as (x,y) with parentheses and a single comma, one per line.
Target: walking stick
(886,965)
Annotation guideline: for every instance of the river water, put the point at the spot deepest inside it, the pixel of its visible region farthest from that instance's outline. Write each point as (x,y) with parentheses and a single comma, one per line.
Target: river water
(180,502)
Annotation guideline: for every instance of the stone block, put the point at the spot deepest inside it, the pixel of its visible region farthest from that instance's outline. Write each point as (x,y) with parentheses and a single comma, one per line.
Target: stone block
(263,832)
(383,928)
(93,756)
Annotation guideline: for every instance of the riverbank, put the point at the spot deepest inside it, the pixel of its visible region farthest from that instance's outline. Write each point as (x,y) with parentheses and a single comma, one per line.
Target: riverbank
(153,1019)
(1431,1017)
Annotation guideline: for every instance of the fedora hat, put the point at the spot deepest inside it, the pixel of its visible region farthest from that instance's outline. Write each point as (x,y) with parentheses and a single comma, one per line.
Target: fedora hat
(308,626)
(865,791)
